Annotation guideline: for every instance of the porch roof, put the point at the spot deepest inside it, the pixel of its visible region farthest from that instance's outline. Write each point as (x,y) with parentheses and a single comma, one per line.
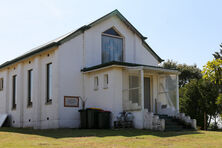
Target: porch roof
(129,65)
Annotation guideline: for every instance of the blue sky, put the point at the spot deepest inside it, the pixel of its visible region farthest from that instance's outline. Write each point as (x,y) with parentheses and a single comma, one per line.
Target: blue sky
(187,31)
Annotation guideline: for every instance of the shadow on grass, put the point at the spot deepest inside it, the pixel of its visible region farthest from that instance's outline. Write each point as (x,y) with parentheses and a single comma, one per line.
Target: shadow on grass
(72,133)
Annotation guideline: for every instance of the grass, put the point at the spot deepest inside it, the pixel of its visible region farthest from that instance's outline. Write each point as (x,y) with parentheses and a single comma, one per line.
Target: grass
(68,138)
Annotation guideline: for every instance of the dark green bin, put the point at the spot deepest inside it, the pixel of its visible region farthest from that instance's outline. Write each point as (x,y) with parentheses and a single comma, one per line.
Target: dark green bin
(83,119)
(92,118)
(104,119)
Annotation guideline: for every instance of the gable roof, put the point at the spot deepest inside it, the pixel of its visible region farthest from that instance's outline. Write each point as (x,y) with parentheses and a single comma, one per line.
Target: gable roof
(58,41)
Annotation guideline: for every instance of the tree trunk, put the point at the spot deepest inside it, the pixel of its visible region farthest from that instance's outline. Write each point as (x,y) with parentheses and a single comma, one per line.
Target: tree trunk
(215,123)
(205,121)
(208,124)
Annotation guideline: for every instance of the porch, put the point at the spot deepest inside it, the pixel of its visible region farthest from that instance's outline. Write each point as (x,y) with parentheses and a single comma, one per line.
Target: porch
(149,92)
(151,89)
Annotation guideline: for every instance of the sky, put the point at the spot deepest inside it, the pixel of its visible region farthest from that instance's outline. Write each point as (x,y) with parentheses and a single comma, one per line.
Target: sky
(186,31)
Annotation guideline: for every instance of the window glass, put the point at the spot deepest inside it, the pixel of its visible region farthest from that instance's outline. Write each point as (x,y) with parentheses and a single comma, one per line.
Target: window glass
(134,89)
(96,83)
(106,81)
(14,81)
(49,82)
(111,31)
(1,84)
(112,49)
(30,87)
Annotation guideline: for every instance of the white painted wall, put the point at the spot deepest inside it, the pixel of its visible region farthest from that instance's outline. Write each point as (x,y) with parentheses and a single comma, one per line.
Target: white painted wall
(28,117)
(70,80)
(35,116)
(110,98)
(49,110)
(3,107)
(134,51)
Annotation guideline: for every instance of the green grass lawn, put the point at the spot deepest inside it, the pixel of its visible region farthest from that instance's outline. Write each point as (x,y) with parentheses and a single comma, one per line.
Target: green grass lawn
(62,138)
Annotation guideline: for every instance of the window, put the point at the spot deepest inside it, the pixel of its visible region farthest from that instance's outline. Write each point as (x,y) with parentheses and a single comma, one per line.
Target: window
(96,83)
(49,83)
(1,84)
(134,89)
(14,92)
(112,46)
(30,87)
(111,31)
(105,81)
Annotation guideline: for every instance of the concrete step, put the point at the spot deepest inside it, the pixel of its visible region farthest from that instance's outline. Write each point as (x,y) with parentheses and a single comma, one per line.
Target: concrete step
(172,125)
(174,129)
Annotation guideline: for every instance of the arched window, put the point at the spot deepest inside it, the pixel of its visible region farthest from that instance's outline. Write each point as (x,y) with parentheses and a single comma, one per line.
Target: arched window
(112,46)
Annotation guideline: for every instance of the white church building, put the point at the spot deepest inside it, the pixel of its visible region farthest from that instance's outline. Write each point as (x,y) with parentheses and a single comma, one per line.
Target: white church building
(107,62)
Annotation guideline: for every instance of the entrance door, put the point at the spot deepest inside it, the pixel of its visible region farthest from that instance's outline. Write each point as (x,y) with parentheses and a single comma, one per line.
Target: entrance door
(147,95)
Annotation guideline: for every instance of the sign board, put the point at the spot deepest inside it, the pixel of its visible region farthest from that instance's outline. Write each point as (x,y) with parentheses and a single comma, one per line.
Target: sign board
(71,101)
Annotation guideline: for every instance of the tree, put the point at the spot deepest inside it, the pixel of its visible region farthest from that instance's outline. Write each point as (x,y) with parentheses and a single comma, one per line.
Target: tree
(198,97)
(170,64)
(218,55)
(199,101)
(213,71)
(187,72)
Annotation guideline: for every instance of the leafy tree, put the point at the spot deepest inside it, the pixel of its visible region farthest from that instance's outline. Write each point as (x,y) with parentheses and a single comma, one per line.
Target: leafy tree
(170,64)
(199,100)
(187,72)
(213,71)
(218,55)
(198,97)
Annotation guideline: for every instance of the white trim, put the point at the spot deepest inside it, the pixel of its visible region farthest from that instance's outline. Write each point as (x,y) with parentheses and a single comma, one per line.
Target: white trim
(109,35)
(111,66)
(162,70)
(177,91)
(142,91)
(165,71)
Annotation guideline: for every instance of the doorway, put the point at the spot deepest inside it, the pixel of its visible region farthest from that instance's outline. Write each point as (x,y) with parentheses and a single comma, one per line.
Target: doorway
(147,93)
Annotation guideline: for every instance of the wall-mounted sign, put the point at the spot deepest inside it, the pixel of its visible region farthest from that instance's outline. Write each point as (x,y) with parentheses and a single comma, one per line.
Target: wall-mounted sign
(71,101)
